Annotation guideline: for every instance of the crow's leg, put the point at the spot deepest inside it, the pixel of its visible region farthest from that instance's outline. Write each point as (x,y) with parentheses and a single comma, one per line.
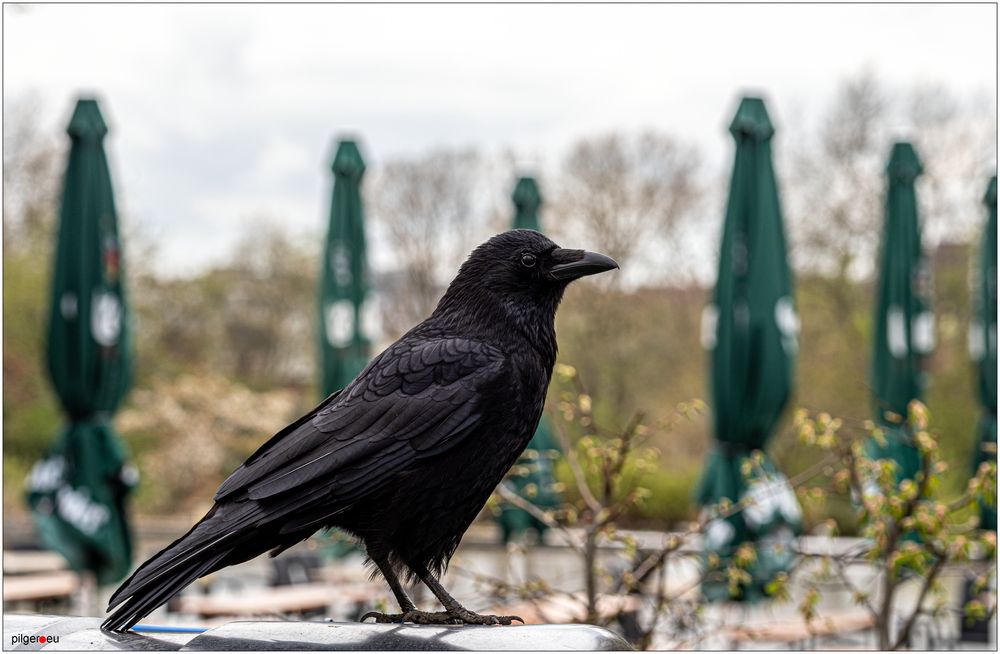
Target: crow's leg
(405,603)
(455,611)
(409,611)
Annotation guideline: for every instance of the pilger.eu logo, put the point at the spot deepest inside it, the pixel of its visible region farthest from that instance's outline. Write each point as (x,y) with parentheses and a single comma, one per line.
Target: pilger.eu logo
(38,639)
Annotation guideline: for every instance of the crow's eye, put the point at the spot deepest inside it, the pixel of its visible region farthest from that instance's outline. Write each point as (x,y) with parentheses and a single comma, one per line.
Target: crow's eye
(528,260)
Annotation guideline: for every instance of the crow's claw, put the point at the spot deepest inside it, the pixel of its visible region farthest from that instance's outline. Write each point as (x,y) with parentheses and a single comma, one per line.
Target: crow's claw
(416,617)
(468,617)
(440,617)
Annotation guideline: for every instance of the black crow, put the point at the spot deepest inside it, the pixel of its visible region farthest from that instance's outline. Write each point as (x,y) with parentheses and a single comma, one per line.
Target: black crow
(407,454)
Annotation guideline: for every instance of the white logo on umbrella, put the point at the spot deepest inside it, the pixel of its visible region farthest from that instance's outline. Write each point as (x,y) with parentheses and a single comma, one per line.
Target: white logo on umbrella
(718,534)
(370,317)
(339,323)
(922,337)
(67,305)
(106,318)
(788,324)
(47,474)
(77,508)
(340,265)
(923,333)
(977,340)
(770,497)
(895,328)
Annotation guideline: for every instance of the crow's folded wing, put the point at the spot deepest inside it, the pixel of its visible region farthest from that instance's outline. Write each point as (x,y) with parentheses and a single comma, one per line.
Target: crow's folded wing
(418,398)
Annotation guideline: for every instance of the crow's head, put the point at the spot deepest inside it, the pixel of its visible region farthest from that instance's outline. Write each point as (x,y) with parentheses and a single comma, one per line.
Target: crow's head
(520,272)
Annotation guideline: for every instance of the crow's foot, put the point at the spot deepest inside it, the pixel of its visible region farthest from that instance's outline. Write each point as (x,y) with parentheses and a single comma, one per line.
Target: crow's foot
(461,616)
(464,616)
(416,617)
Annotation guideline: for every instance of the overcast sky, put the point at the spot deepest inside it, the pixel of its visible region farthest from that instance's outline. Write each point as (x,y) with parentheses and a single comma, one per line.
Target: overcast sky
(220,113)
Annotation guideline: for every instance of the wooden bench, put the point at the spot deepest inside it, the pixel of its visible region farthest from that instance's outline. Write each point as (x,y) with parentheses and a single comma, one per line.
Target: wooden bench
(299,598)
(20,562)
(565,609)
(798,631)
(40,586)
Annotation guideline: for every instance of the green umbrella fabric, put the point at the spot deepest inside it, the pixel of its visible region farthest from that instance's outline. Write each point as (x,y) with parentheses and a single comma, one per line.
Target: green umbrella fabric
(533,476)
(527,202)
(904,324)
(78,492)
(751,330)
(78,497)
(983,346)
(343,289)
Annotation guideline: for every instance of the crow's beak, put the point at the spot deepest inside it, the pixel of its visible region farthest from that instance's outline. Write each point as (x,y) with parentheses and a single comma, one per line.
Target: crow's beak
(573,264)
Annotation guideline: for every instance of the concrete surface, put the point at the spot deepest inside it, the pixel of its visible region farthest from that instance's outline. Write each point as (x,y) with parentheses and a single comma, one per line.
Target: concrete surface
(22,632)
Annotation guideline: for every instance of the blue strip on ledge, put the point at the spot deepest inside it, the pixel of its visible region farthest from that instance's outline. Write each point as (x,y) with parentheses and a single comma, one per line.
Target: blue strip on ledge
(154,629)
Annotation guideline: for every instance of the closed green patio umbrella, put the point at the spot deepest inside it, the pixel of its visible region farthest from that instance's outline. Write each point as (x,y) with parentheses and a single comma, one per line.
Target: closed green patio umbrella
(343,290)
(344,283)
(751,330)
(533,476)
(78,492)
(904,324)
(983,346)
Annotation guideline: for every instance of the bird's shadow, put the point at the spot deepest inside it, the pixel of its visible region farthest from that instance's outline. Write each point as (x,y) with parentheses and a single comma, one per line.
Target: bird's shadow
(134,642)
(381,640)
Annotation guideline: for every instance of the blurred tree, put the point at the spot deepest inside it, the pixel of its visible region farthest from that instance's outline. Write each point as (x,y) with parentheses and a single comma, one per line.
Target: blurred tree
(31,161)
(31,168)
(957,139)
(426,209)
(836,190)
(627,194)
(250,319)
(204,424)
(837,181)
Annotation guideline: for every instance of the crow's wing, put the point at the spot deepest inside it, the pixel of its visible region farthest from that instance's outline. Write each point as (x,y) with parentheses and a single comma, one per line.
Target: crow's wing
(418,398)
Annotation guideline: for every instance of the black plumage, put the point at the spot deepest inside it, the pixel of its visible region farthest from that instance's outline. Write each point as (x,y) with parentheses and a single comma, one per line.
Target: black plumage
(407,454)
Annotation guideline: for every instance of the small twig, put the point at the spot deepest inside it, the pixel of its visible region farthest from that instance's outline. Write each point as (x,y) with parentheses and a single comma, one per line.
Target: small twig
(904,635)
(578,475)
(510,496)
(857,592)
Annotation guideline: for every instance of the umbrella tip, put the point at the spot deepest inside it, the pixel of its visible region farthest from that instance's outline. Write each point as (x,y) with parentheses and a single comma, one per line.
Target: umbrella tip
(904,162)
(348,159)
(87,119)
(752,119)
(526,192)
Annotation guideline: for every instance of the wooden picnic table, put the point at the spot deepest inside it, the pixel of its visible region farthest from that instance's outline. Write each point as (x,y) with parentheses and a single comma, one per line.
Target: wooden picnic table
(566,609)
(19,562)
(298,598)
(798,630)
(40,586)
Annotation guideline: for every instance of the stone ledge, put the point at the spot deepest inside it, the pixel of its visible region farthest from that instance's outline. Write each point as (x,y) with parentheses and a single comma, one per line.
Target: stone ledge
(85,634)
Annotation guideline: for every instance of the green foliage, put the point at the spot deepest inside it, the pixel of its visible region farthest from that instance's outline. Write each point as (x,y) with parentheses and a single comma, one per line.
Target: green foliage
(30,411)
(622,466)
(913,528)
(666,500)
(203,425)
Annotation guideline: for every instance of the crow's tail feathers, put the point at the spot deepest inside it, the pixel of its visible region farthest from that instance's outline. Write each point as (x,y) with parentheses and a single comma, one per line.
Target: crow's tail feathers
(191,556)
